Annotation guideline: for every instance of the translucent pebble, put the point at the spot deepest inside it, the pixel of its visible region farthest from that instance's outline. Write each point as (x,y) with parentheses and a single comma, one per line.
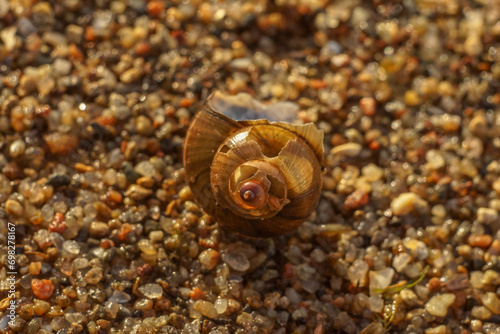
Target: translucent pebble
(111,309)
(409,297)
(80,263)
(318,255)
(82,294)
(220,305)
(17,148)
(60,206)
(468,168)
(491,301)
(283,317)
(293,296)
(120,297)
(221,283)
(137,192)
(438,211)
(98,252)
(299,313)
(192,328)
(206,308)
(305,271)
(375,304)
(41,306)
(75,317)
(473,45)
(372,172)
(13,207)
(434,159)
(237,260)
(89,210)
(400,261)
(357,272)
(491,277)
(380,279)
(98,229)
(487,215)
(72,247)
(109,177)
(143,304)
(57,240)
(145,168)
(4,8)
(241,63)
(156,236)
(94,275)
(146,247)
(481,312)
(59,323)
(36,195)
(47,213)
(404,203)
(348,149)
(25,281)
(143,124)
(115,157)
(417,248)
(62,66)
(152,290)
(438,305)
(311,286)
(209,258)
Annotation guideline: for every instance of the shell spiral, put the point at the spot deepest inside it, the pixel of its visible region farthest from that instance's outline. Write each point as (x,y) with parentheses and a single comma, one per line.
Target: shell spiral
(258,177)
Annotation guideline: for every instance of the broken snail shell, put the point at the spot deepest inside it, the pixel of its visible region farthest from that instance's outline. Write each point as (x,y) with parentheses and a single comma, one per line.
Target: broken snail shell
(258,177)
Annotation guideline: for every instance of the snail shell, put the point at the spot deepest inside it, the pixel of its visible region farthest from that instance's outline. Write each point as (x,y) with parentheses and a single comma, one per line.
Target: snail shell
(257,177)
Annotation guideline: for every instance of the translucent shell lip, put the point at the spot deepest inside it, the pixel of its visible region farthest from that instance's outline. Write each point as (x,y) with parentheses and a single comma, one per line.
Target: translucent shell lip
(223,155)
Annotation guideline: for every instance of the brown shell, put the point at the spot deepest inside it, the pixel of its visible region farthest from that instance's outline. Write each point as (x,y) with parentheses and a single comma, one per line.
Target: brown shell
(217,144)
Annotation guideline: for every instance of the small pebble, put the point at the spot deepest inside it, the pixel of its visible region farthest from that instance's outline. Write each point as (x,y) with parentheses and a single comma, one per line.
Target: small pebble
(404,203)
(481,312)
(491,301)
(372,172)
(146,247)
(99,229)
(209,258)
(41,306)
(368,105)
(380,279)
(434,159)
(441,329)
(487,215)
(138,192)
(400,261)
(14,208)
(348,150)
(438,305)
(153,291)
(220,305)
(358,272)
(206,308)
(120,297)
(42,289)
(94,275)
(17,148)
(481,241)
(237,260)
(417,248)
